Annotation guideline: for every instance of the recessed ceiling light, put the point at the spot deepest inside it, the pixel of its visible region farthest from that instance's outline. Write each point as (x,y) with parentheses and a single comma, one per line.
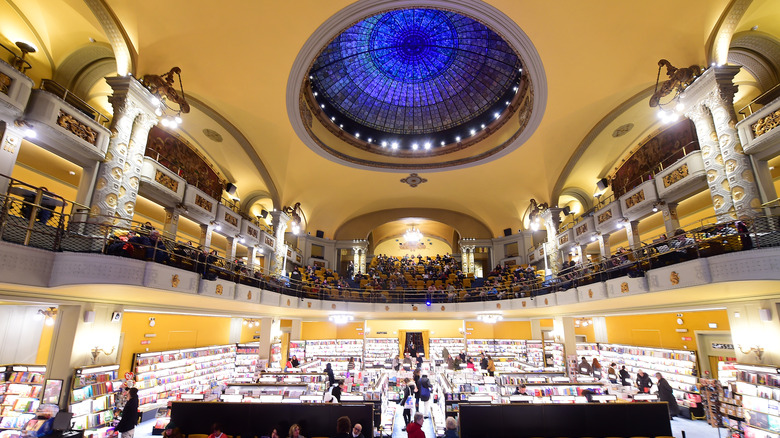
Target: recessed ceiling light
(384,144)
(457,138)
(442,143)
(395,145)
(428,145)
(415,146)
(315,94)
(473,131)
(369,139)
(332,119)
(322,105)
(483,126)
(71,172)
(496,115)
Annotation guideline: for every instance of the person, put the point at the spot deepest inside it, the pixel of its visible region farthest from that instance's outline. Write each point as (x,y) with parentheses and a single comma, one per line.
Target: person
(420,357)
(416,378)
(596,367)
(343,426)
(451,429)
(407,401)
(624,376)
(491,367)
(426,390)
(295,361)
(643,382)
(295,432)
(414,429)
(585,367)
(171,431)
(274,433)
(351,367)
(126,426)
(396,364)
(665,394)
(333,394)
(470,365)
(612,374)
(288,365)
(483,362)
(357,431)
(216,431)
(407,361)
(519,390)
(329,372)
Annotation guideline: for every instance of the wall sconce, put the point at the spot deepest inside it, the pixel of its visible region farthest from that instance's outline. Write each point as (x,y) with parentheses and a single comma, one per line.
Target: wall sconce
(164,91)
(250,322)
(490,318)
(48,313)
(341,318)
(97,350)
(755,349)
(657,204)
(582,322)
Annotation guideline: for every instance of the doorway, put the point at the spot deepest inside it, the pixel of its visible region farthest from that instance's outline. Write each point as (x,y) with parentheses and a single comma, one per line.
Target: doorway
(414,344)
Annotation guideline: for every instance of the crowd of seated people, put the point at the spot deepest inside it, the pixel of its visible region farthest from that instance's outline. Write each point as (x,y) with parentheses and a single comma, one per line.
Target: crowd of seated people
(436,279)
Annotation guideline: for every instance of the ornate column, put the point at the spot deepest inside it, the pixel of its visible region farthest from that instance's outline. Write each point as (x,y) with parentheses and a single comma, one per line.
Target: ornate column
(230,251)
(582,253)
(563,330)
(632,232)
(114,196)
(552,219)
(171,222)
(467,258)
(739,171)
(356,259)
(205,236)
(250,263)
(11,140)
(709,104)
(280,220)
(363,260)
(604,245)
(671,221)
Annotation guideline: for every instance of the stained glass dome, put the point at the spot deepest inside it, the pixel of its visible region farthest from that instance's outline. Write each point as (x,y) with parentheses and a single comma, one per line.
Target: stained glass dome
(412,75)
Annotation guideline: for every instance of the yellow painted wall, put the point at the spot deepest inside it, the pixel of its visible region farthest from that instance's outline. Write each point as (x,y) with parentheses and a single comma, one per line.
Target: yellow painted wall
(352,330)
(546,323)
(315,330)
(588,331)
(173,332)
(659,330)
(479,330)
(512,330)
(248,334)
(45,345)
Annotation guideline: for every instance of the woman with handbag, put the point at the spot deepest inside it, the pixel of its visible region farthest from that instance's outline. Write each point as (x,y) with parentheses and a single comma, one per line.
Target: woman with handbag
(407,400)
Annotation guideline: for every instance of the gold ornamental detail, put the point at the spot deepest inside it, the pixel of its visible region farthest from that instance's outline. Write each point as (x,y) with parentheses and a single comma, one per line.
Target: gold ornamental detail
(231,219)
(203,203)
(166,181)
(249,295)
(219,289)
(77,128)
(766,124)
(175,280)
(674,277)
(5,83)
(607,215)
(624,287)
(635,199)
(590,293)
(582,229)
(676,175)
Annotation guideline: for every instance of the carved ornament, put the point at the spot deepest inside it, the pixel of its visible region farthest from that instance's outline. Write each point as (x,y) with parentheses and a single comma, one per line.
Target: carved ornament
(77,128)
(166,181)
(219,289)
(635,199)
(203,203)
(229,218)
(582,229)
(676,175)
(607,215)
(766,124)
(674,277)
(563,239)
(5,83)
(624,287)
(175,280)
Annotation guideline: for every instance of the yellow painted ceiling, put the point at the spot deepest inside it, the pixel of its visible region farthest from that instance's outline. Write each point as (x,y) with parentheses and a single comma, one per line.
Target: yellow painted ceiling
(236,59)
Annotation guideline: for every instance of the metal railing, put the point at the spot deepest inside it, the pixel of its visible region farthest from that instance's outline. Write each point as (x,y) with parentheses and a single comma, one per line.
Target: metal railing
(36,223)
(66,95)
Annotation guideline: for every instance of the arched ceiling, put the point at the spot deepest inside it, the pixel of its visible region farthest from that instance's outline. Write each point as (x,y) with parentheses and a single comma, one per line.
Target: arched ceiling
(597,56)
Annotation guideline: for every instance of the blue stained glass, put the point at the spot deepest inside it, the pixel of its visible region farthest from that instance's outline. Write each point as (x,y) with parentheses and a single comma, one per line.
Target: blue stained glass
(414,71)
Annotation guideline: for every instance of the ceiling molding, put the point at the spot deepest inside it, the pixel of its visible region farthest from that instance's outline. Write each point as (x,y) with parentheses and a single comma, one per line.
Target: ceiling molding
(717,46)
(124,52)
(360,227)
(246,145)
(591,136)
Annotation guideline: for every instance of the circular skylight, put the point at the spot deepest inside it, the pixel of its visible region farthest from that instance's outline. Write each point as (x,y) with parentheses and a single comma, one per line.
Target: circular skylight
(414,77)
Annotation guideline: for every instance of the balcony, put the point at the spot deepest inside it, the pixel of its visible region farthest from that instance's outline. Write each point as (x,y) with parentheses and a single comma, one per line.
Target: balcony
(638,202)
(200,206)
(160,184)
(65,129)
(759,133)
(15,90)
(682,179)
(608,218)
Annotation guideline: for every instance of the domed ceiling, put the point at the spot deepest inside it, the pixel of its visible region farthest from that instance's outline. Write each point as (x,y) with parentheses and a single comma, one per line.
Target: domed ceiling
(412,84)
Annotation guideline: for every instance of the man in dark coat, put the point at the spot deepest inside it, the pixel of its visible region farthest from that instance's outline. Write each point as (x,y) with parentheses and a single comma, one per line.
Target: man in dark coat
(666,394)
(126,426)
(643,382)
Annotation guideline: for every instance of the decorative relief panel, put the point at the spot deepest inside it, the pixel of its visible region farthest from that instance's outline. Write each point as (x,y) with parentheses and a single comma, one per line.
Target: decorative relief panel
(623,286)
(203,203)
(676,175)
(766,124)
(634,199)
(166,181)
(5,83)
(77,128)
(581,229)
(603,217)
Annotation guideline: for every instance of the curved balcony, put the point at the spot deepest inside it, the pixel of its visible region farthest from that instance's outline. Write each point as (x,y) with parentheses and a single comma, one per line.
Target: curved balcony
(60,253)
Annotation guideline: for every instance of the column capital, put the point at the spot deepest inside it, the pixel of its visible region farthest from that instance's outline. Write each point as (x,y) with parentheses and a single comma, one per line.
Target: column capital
(129,93)
(715,82)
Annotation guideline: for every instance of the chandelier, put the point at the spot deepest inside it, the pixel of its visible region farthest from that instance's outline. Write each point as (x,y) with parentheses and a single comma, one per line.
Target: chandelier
(582,322)
(48,314)
(164,92)
(490,318)
(413,235)
(251,322)
(341,318)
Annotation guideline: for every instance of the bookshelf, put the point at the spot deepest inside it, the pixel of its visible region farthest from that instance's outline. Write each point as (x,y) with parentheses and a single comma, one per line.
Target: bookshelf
(476,346)
(335,351)
(380,351)
(247,361)
(298,349)
(759,390)
(93,396)
(553,356)
(535,353)
(677,366)
(20,394)
(453,345)
(276,356)
(160,376)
